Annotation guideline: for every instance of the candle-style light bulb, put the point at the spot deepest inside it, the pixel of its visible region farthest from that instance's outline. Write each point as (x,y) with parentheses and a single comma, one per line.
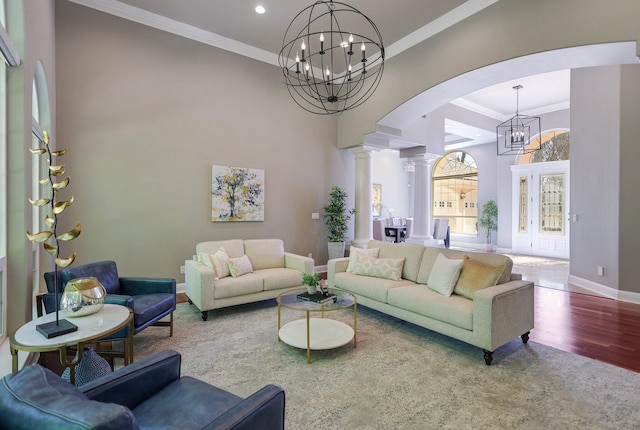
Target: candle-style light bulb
(364,55)
(328,76)
(350,44)
(306,70)
(297,63)
(321,43)
(303,47)
(349,73)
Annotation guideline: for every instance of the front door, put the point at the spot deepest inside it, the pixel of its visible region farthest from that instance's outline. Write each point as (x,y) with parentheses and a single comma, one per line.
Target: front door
(540,209)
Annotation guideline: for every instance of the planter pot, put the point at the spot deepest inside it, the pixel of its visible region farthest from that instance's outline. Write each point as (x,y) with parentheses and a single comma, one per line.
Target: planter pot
(336,250)
(311,289)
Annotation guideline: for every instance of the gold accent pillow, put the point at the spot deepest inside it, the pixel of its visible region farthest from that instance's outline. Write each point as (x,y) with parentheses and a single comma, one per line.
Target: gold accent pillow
(240,266)
(475,276)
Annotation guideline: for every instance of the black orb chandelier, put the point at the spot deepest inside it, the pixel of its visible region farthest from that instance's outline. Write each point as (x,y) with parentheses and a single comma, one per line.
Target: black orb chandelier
(329,66)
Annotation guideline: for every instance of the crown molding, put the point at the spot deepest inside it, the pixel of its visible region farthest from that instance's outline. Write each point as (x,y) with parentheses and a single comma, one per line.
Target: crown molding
(438,25)
(134,14)
(150,19)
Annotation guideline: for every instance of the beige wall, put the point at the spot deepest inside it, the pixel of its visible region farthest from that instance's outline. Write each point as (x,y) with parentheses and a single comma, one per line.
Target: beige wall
(145,114)
(505,30)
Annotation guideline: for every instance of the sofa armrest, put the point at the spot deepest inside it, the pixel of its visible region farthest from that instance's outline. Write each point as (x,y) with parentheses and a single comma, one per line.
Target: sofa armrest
(199,284)
(263,410)
(131,385)
(119,299)
(334,266)
(137,286)
(298,262)
(503,312)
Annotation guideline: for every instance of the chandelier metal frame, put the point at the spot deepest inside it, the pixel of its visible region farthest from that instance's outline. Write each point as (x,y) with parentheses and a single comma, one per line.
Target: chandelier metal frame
(328,69)
(517,132)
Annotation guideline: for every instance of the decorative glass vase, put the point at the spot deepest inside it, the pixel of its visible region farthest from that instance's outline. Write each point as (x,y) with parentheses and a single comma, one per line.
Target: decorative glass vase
(82,296)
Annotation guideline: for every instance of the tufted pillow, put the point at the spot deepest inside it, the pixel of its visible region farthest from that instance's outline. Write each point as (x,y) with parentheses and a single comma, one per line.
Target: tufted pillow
(240,266)
(475,276)
(355,253)
(444,275)
(386,268)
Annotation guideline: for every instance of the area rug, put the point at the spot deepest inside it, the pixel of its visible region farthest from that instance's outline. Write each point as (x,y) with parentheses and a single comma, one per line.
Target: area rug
(399,376)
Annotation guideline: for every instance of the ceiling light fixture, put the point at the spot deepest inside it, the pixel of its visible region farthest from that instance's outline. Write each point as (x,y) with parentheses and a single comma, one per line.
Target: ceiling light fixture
(516,133)
(260,9)
(329,67)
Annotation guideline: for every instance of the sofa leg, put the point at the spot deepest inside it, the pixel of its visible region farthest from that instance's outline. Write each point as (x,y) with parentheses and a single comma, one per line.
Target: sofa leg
(205,314)
(488,357)
(190,302)
(525,337)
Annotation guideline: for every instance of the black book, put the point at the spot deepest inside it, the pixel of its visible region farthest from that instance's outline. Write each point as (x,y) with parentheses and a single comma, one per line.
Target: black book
(318,297)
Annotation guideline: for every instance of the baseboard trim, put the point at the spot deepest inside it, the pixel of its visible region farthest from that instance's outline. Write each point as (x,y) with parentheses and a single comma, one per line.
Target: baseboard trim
(612,293)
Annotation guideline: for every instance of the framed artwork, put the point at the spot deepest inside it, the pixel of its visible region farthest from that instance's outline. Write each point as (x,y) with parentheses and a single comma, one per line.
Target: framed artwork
(237,194)
(377,200)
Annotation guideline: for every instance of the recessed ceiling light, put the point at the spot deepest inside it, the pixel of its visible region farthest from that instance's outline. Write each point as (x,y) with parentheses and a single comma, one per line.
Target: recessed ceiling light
(260,9)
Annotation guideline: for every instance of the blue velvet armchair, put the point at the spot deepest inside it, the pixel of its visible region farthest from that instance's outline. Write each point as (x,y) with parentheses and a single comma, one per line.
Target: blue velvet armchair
(151,299)
(147,394)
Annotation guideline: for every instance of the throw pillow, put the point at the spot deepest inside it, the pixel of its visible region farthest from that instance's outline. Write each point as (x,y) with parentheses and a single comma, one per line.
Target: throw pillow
(354,253)
(220,263)
(475,276)
(444,275)
(386,268)
(240,266)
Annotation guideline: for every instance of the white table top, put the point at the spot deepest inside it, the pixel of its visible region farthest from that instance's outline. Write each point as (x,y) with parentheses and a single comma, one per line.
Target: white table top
(106,321)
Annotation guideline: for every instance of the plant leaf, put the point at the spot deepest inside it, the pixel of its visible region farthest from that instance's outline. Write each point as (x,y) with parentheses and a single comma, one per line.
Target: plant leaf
(65,262)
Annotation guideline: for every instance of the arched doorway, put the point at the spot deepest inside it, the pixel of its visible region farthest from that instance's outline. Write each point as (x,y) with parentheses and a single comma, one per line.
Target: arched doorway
(540,204)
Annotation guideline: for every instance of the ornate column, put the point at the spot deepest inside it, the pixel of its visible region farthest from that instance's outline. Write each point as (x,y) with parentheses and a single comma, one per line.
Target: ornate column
(364,199)
(422,233)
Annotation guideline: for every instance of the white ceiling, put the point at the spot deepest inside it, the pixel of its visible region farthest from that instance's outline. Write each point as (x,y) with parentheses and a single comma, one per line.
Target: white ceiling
(234,25)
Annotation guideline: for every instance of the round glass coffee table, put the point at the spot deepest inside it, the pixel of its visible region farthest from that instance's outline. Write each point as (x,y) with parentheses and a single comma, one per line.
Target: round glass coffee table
(316,331)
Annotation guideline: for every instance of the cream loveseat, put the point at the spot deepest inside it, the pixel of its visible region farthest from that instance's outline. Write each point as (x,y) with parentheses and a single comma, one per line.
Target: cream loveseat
(400,281)
(253,270)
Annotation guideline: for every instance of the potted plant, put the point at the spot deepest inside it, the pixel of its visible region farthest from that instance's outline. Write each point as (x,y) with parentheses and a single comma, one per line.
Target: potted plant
(488,220)
(311,281)
(336,218)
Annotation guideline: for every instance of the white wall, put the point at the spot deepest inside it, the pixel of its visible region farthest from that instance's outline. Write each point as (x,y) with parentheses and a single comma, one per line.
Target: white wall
(396,183)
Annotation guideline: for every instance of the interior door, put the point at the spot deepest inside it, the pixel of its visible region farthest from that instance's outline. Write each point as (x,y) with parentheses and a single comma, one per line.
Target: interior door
(541,209)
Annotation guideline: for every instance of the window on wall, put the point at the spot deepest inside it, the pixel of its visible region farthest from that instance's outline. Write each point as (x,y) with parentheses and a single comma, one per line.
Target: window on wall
(11,58)
(554,147)
(455,191)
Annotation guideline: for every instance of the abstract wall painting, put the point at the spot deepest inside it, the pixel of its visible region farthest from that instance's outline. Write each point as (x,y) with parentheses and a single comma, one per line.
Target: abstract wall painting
(237,194)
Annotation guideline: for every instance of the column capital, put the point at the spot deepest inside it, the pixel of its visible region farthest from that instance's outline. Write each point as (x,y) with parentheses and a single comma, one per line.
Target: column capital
(424,159)
(363,151)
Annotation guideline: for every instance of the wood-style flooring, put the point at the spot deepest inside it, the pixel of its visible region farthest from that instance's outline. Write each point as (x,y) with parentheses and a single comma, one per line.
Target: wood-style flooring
(604,329)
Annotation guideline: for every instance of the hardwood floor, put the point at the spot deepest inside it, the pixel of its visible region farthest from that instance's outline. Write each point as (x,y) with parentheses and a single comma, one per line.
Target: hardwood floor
(603,329)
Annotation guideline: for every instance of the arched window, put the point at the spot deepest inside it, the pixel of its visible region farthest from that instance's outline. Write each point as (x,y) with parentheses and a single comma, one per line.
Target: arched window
(455,191)
(554,147)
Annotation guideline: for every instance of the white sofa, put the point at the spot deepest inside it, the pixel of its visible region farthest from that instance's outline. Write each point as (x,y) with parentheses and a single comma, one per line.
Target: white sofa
(494,316)
(274,271)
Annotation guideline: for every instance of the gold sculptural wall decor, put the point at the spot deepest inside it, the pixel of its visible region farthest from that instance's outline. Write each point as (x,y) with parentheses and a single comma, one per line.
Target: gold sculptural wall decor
(49,237)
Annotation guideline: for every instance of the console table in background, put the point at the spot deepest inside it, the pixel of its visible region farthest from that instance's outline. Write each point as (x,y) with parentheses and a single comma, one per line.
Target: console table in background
(109,320)
(395,231)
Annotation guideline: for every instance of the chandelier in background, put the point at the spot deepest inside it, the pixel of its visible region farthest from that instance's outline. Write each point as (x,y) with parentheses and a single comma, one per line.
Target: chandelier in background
(332,58)
(516,132)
